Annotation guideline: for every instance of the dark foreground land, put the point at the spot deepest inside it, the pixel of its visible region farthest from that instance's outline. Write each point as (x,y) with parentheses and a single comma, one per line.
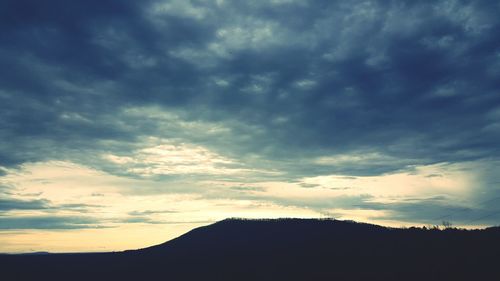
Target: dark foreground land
(290,249)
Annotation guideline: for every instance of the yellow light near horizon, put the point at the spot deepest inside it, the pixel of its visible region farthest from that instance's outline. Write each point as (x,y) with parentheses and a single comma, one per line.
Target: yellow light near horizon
(173,208)
(125,237)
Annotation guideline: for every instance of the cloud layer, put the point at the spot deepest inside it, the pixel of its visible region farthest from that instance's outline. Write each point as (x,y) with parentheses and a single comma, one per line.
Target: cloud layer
(172,95)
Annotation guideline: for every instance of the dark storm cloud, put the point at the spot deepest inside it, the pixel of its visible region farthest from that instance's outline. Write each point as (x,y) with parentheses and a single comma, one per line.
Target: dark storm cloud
(275,91)
(415,81)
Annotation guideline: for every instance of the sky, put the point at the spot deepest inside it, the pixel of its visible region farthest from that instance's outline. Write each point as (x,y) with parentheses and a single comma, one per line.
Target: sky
(124,124)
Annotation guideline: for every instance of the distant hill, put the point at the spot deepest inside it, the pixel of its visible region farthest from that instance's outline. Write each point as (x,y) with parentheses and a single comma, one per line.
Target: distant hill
(287,249)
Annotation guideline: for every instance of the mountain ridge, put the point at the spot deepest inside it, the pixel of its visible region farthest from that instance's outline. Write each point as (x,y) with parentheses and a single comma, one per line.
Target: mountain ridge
(284,249)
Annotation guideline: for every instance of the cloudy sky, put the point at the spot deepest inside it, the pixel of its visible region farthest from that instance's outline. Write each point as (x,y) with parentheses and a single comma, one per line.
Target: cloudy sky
(126,123)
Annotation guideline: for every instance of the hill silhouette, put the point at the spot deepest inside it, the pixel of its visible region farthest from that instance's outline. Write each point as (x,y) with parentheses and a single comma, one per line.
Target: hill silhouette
(286,249)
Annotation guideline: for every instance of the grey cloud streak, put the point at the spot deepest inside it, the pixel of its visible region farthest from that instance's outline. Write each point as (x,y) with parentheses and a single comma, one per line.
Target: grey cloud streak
(48,222)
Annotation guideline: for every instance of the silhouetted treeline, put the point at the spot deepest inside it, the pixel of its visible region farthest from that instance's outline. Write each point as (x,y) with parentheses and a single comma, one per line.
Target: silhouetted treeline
(289,249)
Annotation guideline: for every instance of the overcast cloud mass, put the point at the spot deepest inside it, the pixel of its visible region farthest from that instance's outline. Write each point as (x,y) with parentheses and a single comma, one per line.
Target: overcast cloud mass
(146,114)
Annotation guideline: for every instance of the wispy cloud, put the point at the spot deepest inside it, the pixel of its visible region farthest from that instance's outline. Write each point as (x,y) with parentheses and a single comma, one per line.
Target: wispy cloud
(16,204)
(48,222)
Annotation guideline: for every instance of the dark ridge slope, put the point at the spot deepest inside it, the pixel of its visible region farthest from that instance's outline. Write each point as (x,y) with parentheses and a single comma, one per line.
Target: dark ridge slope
(289,249)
